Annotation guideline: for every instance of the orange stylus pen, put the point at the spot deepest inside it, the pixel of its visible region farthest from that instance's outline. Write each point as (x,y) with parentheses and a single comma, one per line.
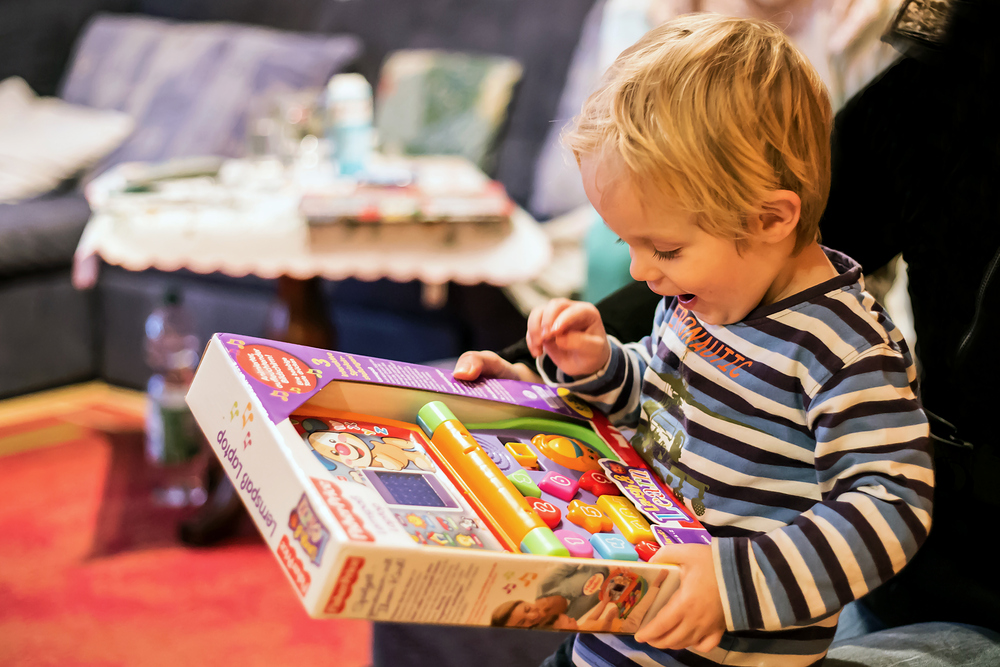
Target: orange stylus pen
(500,498)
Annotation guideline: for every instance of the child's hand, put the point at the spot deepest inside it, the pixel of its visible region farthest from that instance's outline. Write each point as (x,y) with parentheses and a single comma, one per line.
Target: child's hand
(693,617)
(472,365)
(572,334)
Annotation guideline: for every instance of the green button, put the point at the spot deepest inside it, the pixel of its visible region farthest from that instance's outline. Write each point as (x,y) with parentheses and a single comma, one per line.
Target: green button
(543,542)
(522,481)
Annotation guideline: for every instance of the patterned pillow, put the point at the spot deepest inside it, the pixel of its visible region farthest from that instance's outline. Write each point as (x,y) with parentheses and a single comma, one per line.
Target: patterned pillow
(44,140)
(189,86)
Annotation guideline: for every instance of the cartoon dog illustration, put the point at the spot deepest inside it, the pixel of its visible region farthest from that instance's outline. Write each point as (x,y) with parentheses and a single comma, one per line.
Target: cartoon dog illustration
(352,451)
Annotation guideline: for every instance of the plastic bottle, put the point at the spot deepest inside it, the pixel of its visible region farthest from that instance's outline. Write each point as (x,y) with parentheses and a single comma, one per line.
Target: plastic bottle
(173,440)
(349,118)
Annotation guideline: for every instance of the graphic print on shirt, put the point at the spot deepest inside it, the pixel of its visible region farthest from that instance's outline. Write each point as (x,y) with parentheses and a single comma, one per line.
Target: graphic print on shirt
(662,437)
(696,339)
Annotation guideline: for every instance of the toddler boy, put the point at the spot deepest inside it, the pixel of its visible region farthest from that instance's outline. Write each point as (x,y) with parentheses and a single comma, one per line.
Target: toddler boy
(773,395)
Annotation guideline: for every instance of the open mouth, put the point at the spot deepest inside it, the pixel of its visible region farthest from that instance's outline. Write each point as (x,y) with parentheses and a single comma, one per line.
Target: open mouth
(686,299)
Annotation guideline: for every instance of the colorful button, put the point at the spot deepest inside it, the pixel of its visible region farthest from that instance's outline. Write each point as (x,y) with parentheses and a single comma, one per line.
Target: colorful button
(613,547)
(598,484)
(633,526)
(468,541)
(548,512)
(522,454)
(576,545)
(522,482)
(646,549)
(441,539)
(558,485)
(567,452)
(588,517)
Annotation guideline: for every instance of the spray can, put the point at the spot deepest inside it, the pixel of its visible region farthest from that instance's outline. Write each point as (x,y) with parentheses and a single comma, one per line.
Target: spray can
(349,117)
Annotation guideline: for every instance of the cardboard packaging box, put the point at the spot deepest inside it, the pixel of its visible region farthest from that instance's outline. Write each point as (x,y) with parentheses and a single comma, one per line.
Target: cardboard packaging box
(390,491)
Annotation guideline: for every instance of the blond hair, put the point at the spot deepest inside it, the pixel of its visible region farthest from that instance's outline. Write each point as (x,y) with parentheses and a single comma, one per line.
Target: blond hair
(717,112)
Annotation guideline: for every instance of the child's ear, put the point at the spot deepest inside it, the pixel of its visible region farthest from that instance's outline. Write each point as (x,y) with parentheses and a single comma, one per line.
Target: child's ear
(779,215)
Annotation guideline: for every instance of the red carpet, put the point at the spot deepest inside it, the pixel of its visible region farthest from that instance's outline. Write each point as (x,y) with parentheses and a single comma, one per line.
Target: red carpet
(91,572)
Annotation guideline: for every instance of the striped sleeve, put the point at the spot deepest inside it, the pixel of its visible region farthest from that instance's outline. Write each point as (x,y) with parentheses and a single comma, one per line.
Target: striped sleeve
(875,478)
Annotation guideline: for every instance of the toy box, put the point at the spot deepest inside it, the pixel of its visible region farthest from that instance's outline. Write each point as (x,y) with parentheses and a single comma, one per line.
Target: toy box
(392,492)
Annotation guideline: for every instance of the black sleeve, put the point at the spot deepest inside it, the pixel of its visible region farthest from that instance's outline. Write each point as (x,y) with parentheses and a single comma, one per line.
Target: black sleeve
(868,190)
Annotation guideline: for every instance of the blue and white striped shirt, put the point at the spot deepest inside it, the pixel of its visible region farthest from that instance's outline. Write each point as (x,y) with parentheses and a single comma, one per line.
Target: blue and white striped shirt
(797,438)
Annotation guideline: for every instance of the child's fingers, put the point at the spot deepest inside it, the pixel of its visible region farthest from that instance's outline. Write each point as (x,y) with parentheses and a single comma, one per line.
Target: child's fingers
(540,323)
(571,341)
(665,622)
(474,364)
(537,322)
(709,642)
(573,318)
(678,639)
(550,314)
(683,554)
(469,366)
(668,553)
(534,334)
(680,636)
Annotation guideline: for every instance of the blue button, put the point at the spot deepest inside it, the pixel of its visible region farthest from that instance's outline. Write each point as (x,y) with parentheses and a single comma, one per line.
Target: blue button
(613,547)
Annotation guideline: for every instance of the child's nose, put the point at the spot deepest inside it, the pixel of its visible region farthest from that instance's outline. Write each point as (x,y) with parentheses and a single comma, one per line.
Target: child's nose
(641,267)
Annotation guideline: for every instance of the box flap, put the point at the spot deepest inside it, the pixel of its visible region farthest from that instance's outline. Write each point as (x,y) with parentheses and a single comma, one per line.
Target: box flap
(284,376)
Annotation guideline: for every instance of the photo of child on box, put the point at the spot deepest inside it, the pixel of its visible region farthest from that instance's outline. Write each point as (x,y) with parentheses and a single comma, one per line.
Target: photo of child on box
(582,597)
(773,394)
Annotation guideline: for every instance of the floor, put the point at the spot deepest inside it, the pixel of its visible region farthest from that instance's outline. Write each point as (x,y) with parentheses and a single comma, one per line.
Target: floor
(78,408)
(92,572)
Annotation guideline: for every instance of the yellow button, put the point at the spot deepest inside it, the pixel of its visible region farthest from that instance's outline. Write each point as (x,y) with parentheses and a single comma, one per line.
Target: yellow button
(628,519)
(588,517)
(522,454)
(567,452)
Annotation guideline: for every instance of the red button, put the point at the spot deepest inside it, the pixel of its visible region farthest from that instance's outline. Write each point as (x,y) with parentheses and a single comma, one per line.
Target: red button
(598,484)
(646,549)
(548,512)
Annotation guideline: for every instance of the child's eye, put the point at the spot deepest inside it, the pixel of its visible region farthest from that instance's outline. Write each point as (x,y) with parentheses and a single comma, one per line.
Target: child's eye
(666,254)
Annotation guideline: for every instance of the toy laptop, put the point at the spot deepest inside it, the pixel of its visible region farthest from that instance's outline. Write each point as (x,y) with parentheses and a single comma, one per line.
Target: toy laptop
(390,491)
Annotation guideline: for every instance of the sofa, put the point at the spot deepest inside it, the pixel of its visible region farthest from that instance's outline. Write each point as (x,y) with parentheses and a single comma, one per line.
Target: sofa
(52,334)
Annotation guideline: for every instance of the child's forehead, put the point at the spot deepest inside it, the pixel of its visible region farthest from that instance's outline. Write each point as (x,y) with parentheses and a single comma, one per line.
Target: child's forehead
(607,167)
(616,187)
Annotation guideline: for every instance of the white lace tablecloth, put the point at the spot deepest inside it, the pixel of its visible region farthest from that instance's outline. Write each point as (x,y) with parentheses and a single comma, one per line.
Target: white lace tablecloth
(246,221)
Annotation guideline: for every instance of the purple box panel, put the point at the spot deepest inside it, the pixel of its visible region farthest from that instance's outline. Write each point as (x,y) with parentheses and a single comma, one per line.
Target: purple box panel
(284,376)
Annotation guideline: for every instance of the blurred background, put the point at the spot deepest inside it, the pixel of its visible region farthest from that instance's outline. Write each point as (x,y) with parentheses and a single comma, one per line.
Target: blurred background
(225,107)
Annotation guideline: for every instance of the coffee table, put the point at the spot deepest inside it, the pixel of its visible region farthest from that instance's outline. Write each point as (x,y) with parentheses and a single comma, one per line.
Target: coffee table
(246,221)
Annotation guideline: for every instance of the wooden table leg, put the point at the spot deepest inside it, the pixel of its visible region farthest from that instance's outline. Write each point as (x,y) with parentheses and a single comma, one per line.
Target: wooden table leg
(298,316)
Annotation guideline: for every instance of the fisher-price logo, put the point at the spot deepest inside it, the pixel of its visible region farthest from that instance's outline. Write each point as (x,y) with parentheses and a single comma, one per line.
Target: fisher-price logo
(286,554)
(345,582)
(342,511)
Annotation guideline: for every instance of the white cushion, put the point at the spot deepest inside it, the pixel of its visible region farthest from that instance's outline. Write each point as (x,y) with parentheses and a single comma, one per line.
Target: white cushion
(44,141)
